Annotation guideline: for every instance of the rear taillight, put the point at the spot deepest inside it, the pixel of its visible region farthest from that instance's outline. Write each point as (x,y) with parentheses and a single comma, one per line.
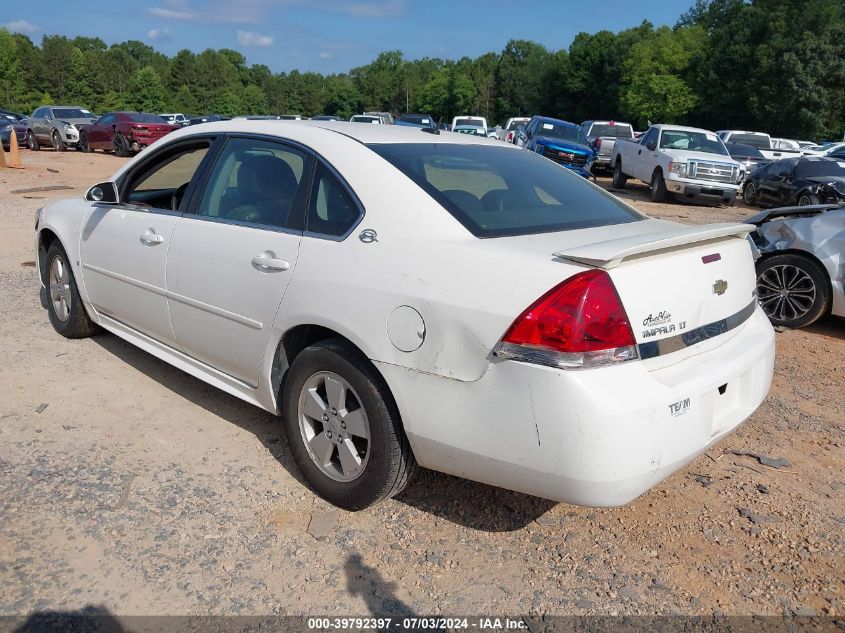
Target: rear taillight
(597,144)
(579,323)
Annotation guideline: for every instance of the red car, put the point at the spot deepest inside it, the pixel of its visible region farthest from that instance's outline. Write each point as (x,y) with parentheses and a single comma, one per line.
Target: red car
(123,133)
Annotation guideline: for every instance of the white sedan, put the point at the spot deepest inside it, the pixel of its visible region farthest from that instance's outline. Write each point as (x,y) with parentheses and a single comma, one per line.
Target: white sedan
(401,297)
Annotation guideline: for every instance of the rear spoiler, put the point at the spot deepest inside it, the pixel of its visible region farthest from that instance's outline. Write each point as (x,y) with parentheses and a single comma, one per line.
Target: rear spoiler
(610,254)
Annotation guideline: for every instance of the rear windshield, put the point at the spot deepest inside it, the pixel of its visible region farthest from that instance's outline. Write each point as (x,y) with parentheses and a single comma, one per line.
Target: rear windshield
(71,113)
(516,124)
(760,141)
(365,119)
(815,168)
(143,117)
(615,130)
(497,191)
(473,122)
(744,151)
(565,132)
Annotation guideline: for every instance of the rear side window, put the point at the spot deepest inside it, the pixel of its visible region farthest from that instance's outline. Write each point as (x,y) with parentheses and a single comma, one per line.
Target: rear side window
(497,191)
(332,210)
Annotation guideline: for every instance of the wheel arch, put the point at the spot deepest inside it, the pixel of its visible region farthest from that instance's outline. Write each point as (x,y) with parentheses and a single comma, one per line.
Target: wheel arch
(46,238)
(295,339)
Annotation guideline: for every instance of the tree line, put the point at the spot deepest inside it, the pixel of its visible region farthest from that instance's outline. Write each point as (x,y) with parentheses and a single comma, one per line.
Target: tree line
(770,65)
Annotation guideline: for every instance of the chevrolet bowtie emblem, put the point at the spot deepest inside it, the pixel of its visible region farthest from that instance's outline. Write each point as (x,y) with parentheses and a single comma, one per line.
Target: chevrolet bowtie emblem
(720,287)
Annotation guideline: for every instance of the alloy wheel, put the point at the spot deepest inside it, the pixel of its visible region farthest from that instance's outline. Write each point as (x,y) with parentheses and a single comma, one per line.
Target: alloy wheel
(749,192)
(60,295)
(334,426)
(786,292)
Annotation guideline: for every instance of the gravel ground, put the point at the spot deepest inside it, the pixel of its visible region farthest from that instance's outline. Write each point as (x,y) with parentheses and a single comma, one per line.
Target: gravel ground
(130,486)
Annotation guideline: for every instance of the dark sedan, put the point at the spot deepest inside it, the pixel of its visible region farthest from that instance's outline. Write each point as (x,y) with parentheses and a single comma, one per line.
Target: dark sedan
(9,122)
(796,181)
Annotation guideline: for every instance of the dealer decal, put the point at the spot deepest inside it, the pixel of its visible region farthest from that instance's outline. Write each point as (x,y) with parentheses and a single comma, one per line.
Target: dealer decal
(680,407)
(660,324)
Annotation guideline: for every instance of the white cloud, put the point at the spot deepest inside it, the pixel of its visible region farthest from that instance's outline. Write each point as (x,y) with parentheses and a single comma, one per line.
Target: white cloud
(325,55)
(160,35)
(253,40)
(21,26)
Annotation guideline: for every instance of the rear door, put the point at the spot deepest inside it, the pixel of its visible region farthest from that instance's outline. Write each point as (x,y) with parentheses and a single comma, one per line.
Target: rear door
(232,257)
(124,246)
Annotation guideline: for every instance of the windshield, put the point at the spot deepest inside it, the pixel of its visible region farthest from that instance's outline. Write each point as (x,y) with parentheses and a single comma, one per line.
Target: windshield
(516,123)
(613,130)
(474,122)
(760,141)
(419,119)
(498,191)
(71,113)
(143,117)
(706,142)
(564,132)
(817,168)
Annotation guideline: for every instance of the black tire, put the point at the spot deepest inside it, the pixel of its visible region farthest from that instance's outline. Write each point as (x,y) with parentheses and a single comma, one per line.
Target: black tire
(32,142)
(120,147)
(58,144)
(749,193)
(804,278)
(619,178)
(658,187)
(77,323)
(390,463)
(83,145)
(806,199)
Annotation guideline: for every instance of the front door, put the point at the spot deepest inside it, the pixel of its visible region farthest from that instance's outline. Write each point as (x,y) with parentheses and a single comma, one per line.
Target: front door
(124,246)
(231,258)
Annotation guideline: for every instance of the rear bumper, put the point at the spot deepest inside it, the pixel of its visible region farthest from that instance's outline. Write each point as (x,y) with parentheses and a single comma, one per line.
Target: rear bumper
(598,437)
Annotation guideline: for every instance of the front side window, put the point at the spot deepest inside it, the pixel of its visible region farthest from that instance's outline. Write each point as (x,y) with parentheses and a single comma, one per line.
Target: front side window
(497,191)
(332,210)
(162,184)
(650,136)
(254,181)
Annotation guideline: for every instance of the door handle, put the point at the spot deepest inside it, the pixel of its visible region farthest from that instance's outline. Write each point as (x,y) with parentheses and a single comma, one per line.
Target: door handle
(151,238)
(268,262)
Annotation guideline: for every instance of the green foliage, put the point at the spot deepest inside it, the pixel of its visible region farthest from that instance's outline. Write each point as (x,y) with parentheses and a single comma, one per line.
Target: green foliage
(770,65)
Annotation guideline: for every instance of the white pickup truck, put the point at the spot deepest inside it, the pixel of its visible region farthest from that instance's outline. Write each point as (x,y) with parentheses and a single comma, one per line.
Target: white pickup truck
(771,148)
(679,160)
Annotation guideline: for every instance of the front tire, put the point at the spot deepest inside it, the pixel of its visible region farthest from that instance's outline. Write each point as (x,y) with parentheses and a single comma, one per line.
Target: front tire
(64,307)
(792,289)
(658,187)
(343,427)
(806,199)
(749,193)
(58,144)
(619,178)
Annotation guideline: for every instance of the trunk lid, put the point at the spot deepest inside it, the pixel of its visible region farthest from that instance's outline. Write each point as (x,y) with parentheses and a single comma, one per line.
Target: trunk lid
(681,287)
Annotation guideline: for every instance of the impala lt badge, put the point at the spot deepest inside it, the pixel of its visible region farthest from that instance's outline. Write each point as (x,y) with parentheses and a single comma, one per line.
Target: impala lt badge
(720,287)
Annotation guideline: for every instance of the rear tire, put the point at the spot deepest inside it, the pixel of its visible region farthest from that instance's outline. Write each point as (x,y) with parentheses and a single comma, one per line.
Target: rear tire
(64,307)
(32,142)
(83,144)
(793,290)
(382,463)
(619,178)
(806,199)
(658,187)
(120,147)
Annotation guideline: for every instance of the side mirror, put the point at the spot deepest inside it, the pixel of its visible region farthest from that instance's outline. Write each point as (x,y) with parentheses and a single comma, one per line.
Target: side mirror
(105,192)
(651,146)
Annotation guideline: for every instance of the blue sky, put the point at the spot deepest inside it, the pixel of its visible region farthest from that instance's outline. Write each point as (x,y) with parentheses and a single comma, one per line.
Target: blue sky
(335,35)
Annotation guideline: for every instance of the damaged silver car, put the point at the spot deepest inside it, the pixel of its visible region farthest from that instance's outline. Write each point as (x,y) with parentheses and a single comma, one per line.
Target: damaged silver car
(800,253)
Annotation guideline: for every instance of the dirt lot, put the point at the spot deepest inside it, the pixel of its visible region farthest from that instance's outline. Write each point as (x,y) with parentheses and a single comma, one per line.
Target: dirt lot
(128,485)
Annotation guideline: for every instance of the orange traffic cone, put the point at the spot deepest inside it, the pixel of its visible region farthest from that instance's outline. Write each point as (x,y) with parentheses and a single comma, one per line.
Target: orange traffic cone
(14,152)
(2,156)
